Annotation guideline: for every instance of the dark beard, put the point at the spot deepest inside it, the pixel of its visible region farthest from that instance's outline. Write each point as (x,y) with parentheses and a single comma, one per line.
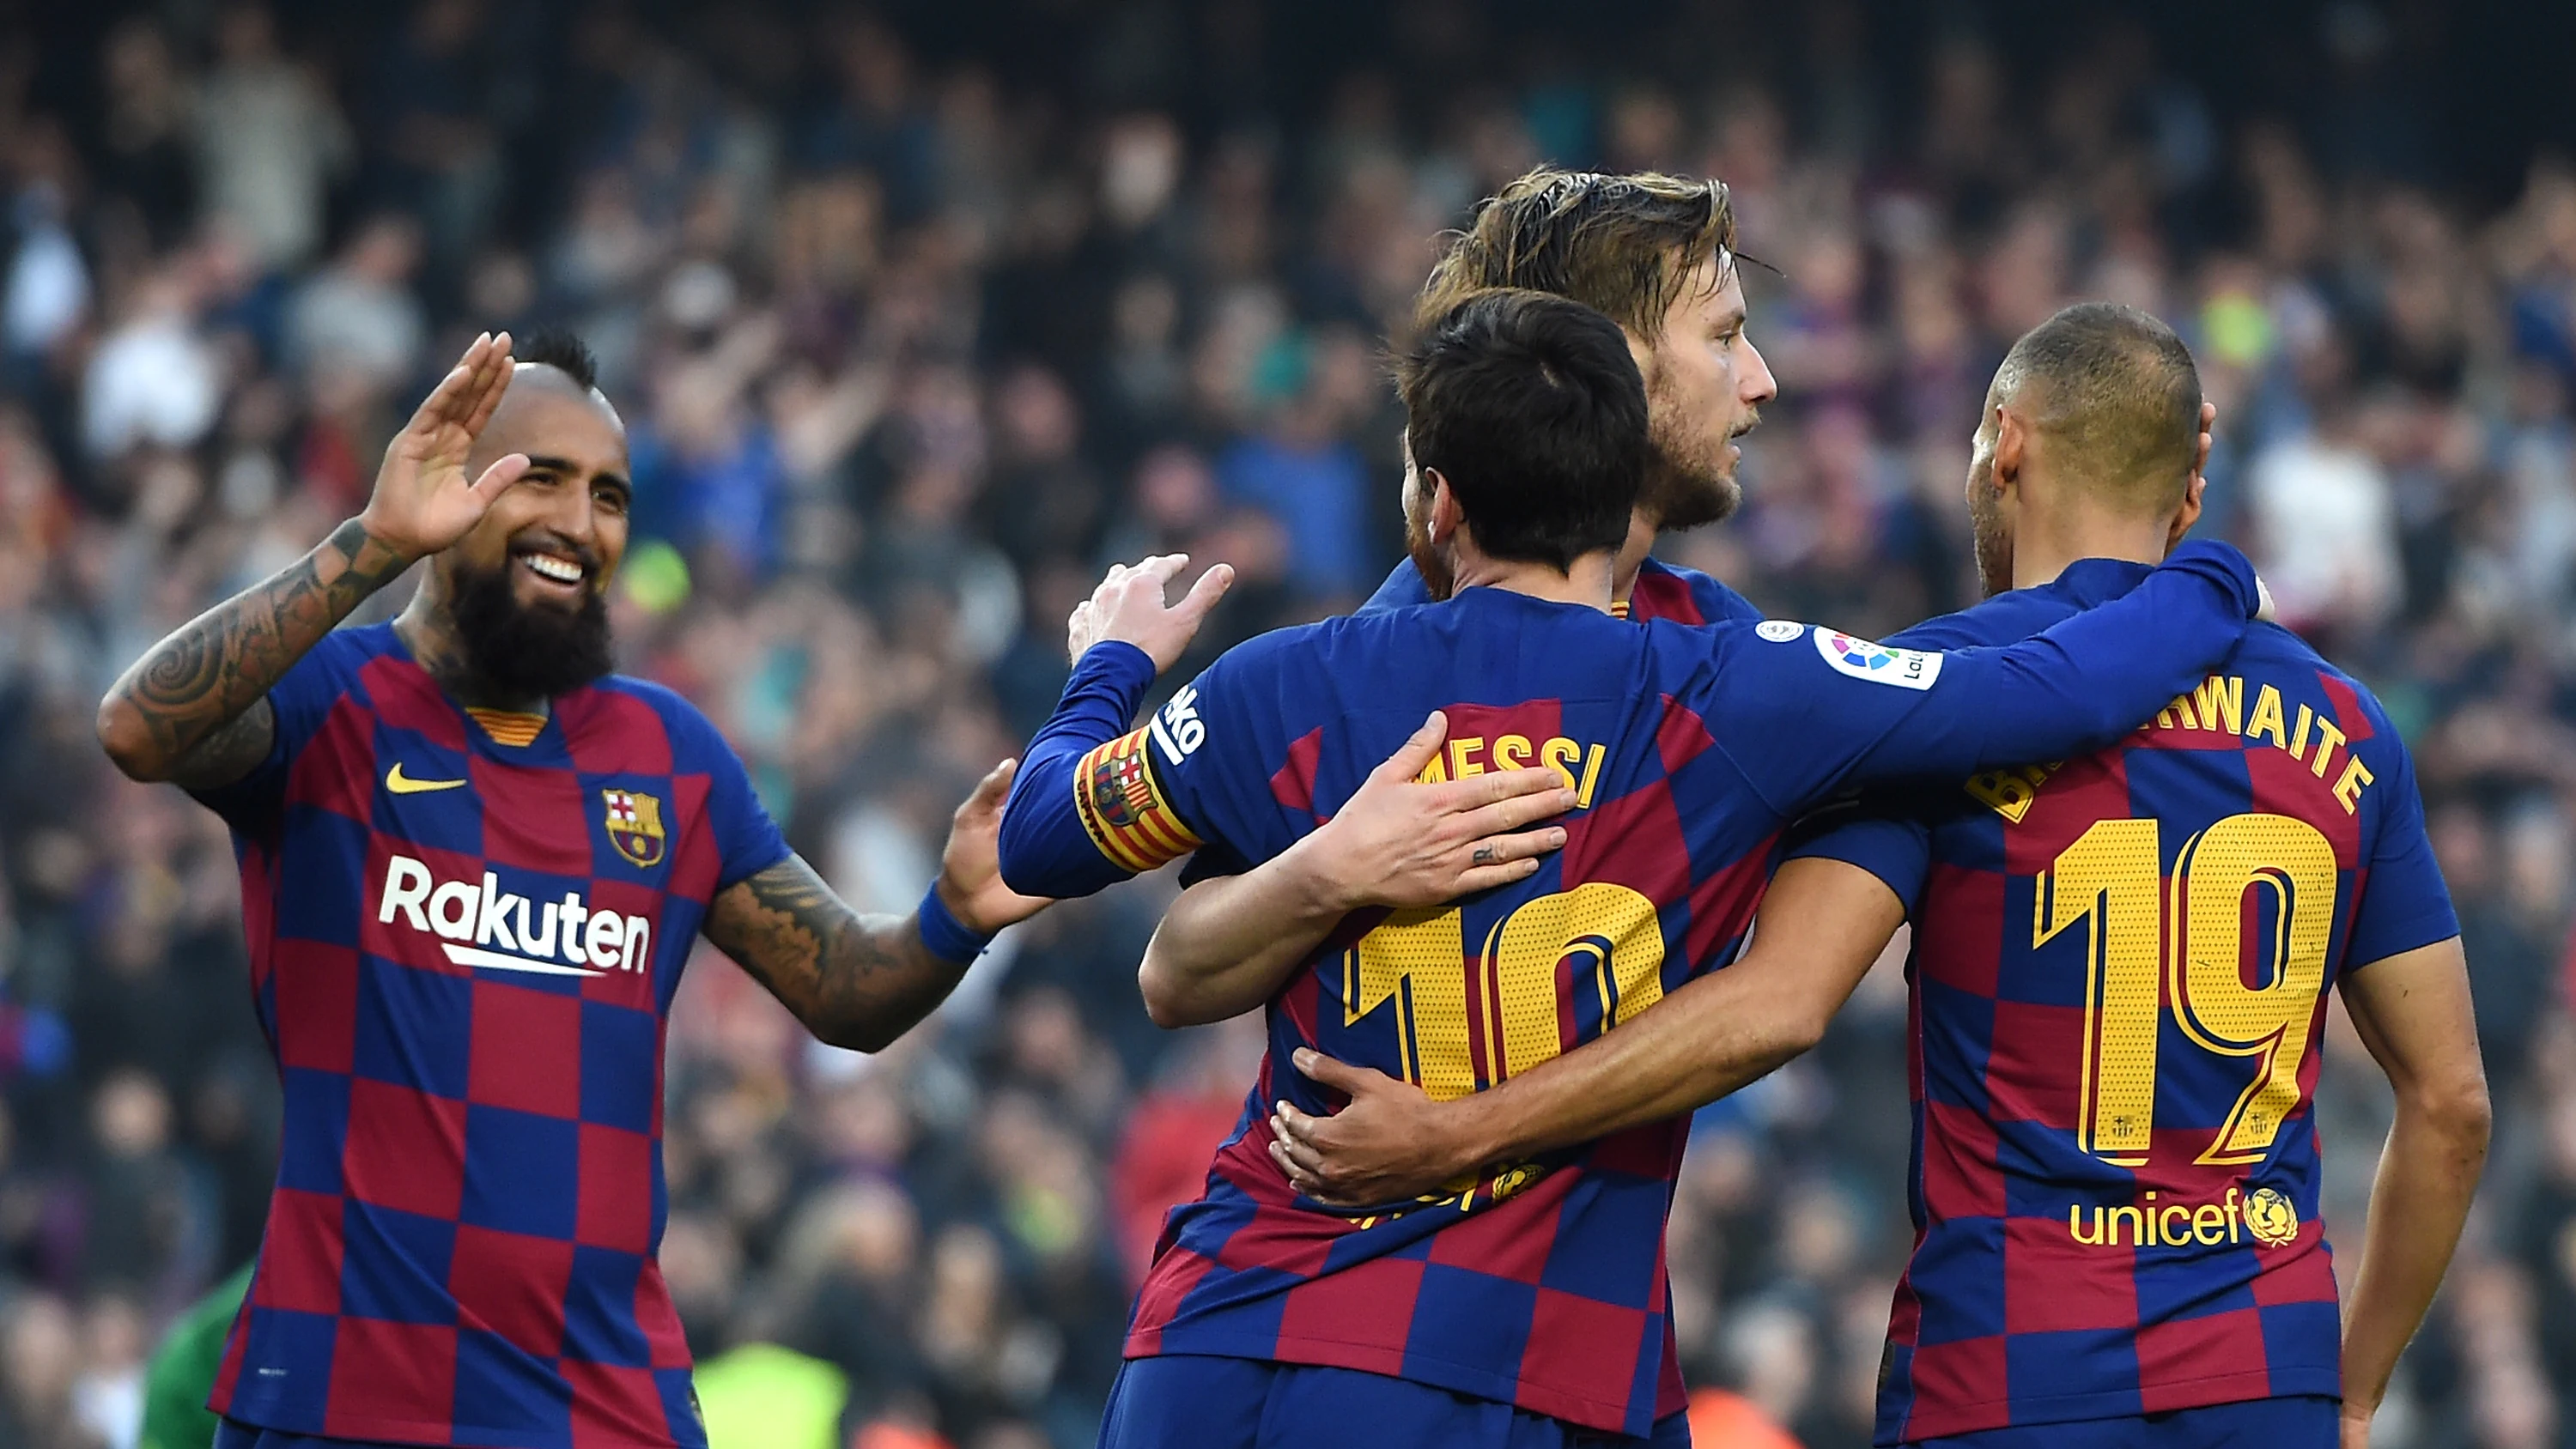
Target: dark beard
(528,651)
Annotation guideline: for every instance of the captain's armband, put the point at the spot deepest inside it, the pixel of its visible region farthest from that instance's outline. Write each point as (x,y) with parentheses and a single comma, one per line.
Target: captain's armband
(1123,807)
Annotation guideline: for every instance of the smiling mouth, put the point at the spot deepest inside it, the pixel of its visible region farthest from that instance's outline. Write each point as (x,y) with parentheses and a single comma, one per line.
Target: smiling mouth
(554,570)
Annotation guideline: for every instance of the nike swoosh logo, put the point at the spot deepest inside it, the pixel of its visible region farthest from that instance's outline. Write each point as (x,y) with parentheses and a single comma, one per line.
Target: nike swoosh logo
(401,784)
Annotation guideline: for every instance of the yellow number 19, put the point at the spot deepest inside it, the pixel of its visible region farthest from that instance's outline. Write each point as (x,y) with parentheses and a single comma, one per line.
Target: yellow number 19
(2109,878)
(1606,934)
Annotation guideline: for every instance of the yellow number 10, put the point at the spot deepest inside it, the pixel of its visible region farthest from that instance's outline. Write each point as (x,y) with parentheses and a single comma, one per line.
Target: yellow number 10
(1605,935)
(2110,879)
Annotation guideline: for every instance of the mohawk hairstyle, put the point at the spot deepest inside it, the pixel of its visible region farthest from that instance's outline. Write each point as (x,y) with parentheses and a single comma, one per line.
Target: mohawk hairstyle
(561,349)
(1621,245)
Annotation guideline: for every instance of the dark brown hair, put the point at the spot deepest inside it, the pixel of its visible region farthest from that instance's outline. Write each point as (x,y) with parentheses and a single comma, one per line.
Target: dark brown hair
(1530,405)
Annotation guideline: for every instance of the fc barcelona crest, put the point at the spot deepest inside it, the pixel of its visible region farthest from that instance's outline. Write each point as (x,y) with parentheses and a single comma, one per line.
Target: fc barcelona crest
(635,826)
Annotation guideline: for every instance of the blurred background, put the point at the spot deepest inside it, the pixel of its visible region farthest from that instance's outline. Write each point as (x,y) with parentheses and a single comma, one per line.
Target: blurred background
(921,315)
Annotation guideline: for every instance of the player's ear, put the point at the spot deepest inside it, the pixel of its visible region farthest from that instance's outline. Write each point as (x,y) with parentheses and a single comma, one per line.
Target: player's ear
(2189,514)
(1444,515)
(2012,441)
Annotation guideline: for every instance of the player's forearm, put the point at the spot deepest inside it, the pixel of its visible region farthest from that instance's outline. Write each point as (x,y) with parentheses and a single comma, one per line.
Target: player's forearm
(2428,1173)
(2086,681)
(855,980)
(1226,945)
(1823,925)
(1045,848)
(215,667)
(1707,1039)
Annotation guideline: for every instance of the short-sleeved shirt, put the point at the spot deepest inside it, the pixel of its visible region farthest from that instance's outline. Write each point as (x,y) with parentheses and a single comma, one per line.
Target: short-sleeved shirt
(1691,750)
(465,931)
(2119,973)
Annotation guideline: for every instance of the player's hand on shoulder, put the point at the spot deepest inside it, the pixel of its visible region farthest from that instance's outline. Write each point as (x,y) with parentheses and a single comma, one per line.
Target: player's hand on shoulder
(970,867)
(1389,1145)
(1128,607)
(1411,846)
(423,500)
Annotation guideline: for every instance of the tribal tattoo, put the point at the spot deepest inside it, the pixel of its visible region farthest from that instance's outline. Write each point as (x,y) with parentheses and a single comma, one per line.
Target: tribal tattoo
(855,981)
(198,700)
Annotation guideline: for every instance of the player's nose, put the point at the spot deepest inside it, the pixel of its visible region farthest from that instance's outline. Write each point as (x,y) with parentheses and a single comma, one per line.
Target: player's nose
(574,515)
(1759,386)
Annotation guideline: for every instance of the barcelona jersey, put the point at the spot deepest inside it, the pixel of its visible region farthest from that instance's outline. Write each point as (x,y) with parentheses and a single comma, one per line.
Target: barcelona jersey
(1543,1285)
(465,931)
(1662,591)
(2119,975)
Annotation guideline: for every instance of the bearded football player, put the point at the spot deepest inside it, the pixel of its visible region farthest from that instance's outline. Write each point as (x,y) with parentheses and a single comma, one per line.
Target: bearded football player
(474,861)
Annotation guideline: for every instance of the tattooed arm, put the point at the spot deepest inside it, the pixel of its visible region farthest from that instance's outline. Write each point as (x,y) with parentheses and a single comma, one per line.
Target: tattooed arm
(860,981)
(194,710)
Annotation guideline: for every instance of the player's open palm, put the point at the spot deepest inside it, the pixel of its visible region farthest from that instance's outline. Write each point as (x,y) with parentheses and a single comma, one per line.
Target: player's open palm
(1128,607)
(424,499)
(1412,846)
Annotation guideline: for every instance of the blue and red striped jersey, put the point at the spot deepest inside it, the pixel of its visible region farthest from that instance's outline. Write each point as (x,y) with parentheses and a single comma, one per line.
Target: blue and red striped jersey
(1662,591)
(1543,1285)
(465,931)
(2119,973)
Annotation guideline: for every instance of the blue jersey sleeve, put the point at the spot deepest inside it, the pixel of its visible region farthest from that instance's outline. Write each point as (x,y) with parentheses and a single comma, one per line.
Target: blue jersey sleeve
(1096,802)
(299,703)
(1402,589)
(747,840)
(1803,712)
(2404,902)
(1048,845)
(1883,833)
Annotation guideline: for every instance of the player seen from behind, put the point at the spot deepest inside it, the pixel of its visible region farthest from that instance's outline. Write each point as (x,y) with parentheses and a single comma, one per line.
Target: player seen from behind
(2119,972)
(1525,1307)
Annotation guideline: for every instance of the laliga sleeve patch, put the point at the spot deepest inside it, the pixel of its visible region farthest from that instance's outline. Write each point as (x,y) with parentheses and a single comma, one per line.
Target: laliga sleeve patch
(1778,631)
(1877,663)
(1122,806)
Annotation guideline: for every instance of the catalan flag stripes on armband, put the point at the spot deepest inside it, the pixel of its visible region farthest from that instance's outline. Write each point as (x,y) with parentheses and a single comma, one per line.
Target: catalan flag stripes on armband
(1115,793)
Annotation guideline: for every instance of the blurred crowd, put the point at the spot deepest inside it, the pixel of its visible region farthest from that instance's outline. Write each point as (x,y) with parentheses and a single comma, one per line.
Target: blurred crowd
(912,337)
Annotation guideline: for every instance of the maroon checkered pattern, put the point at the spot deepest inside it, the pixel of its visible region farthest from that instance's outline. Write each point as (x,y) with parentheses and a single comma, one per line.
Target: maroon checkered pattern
(465,984)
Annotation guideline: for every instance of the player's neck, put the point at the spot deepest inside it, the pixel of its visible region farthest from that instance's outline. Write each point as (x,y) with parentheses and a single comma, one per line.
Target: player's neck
(1632,555)
(429,631)
(1586,583)
(2043,545)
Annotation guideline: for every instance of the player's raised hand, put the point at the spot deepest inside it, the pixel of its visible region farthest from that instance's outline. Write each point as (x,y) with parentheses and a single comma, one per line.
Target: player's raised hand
(1128,607)
(1391,1144)
(1398,843)
(970,868)
(423,500)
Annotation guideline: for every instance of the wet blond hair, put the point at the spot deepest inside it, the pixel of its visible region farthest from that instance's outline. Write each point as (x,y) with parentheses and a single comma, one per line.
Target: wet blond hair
(1622,245)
